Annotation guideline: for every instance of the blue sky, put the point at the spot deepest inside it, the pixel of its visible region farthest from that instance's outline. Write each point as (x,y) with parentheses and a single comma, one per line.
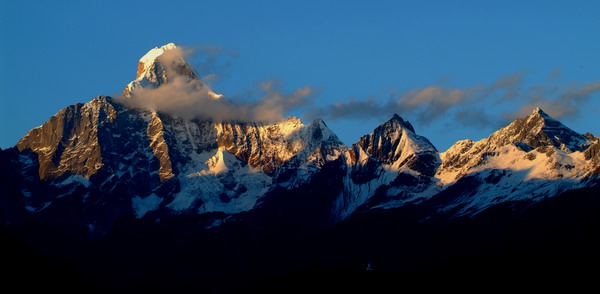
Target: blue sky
(455,69)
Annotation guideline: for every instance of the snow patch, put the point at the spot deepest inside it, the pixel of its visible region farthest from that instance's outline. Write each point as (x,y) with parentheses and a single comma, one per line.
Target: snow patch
(75,179)
(182,201)
(141,206)
(218,222)
(154,53)
(217,163)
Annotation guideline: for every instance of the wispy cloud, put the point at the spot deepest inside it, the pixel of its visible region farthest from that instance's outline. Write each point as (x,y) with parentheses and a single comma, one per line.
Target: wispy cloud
(476,106)
(187,98)
(467,106)
(213,60)
(555,74)
(559,101)
(473,116)
(509,85)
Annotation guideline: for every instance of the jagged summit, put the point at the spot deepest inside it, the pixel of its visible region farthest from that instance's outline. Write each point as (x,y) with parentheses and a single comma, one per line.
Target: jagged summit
(147,60)
(390,140)
(160,66)
(539,112)
(403,123)
(540,129)
(529,145)
(539,116)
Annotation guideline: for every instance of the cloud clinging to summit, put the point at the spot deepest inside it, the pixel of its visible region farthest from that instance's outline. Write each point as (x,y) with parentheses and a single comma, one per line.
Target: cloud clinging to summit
(467,106)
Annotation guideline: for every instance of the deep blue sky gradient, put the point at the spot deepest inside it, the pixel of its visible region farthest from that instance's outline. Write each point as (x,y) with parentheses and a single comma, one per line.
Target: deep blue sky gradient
(57,53)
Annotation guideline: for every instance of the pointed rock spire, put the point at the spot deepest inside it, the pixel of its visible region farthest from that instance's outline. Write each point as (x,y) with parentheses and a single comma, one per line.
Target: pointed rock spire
(393,138)
(538,112)
(400,121)
(540,129)
(159,66)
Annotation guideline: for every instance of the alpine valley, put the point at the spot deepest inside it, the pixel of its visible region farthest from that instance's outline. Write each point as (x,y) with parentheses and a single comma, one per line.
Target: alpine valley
(109,197)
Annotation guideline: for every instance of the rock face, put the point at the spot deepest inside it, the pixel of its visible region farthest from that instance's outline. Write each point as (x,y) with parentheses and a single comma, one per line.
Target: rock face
(105,147)
(392,162)
(68,142)
(393,143)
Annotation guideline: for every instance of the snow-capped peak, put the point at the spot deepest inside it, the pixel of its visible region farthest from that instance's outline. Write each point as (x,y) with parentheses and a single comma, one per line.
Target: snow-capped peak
(151,57)
(540,129)
(324,131)
(159,66)
(540,116)
(520,141)
(393,140)
(396,119)
(539,112)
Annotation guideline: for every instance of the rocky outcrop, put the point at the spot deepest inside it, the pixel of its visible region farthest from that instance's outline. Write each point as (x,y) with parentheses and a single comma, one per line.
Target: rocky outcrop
(539,129)
(68,142)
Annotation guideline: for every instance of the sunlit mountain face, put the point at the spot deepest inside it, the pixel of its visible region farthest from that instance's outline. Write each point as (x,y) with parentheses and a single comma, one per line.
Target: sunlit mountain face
(135,193)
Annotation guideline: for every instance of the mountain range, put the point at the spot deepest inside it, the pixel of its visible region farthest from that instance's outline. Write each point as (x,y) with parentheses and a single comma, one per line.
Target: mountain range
(133,198)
